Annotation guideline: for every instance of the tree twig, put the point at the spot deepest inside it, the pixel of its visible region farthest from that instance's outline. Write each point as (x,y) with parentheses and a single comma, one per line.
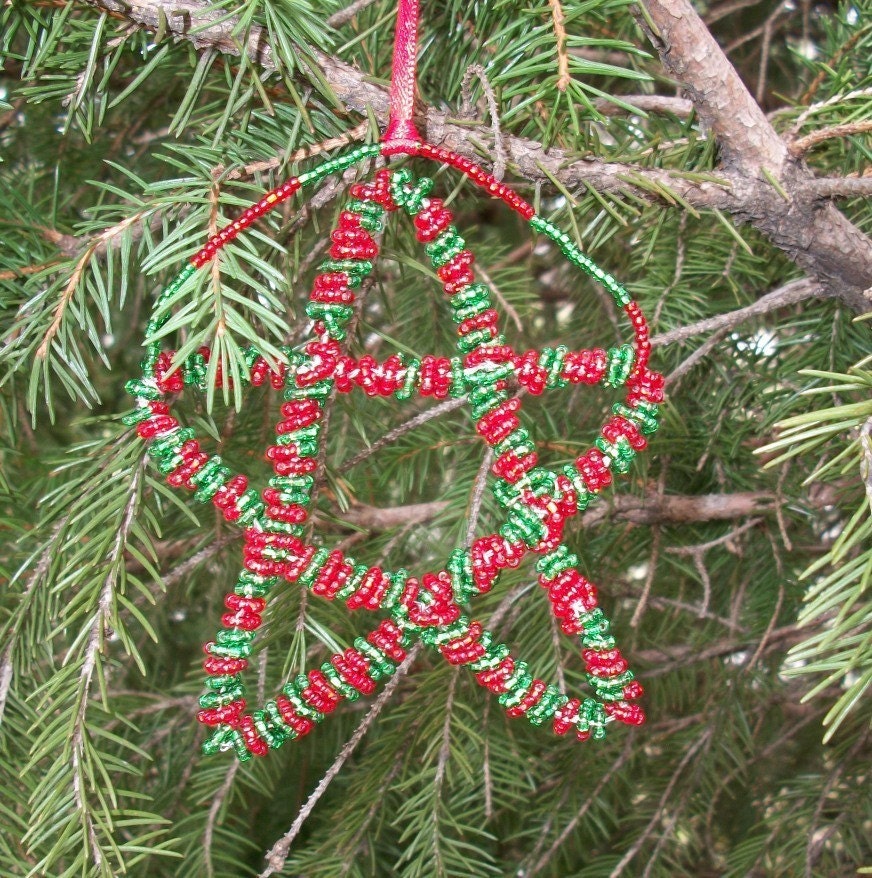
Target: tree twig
(559,21)
(790,294)
(278,853)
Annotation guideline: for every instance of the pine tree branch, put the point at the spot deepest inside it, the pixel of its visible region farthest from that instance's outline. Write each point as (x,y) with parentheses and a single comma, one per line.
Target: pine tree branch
(815,236)
(214,811)
(99,628)
(662,104)
(703,741)
(36,576)
(568,830)
(278,853)
(559,22)
(790,294)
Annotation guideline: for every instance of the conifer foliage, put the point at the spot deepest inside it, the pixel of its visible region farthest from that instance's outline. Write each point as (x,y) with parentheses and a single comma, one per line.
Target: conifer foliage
(715,159)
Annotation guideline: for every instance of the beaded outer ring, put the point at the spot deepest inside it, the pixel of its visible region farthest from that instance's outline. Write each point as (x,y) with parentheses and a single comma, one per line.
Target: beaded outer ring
(537,501)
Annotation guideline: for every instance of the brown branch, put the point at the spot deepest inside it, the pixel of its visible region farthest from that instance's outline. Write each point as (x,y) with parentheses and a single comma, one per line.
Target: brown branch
(100,241)
(848,129)
(680,508)
(842,187)
(24,270)
(388,517)
(665,104)
(692,55)
(345,15)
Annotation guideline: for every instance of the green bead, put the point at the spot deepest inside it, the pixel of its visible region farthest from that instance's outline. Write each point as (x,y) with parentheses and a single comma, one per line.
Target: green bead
(346,690)
(518,441)
(524,521)
(319,391)
(274,735)
(143,389)
(583,495)
(333,315)
(505,493)
(137,416)
(413,371)
(556,562)
(282,527)
(595,630)
(477,294)
(380,665)
(476,339)
(553,360)
(611,689)
(458,378)
(409,193)
(230,650)
(462,580)
(223,697)
(253,585)
(302,707)
(251,508)
(306,440)
(516,695)
(398,579)
(225,738)
(548,704)
(619,364)
(443,634)
(356,269)
(276,722)
(494,654)
(484,400)
(310,574)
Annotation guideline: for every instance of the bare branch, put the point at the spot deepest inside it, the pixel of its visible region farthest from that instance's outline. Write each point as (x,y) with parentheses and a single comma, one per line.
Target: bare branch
(664,104)
(680,508)
(848,129)
(278,853)
(387,517)
(345,15)
(790,294)
(842,187)
(815,236)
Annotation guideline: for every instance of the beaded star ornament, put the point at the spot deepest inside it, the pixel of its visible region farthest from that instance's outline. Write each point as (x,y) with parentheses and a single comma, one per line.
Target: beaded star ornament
(536,501)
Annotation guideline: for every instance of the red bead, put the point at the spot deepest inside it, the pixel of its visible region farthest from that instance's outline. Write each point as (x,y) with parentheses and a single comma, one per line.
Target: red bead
(388,637)
(457,273)
(631,714)
(510,467)
(563,719)
(534,693)
(495,679)
(432,220)
(229,714)
(300,724)
(218,666)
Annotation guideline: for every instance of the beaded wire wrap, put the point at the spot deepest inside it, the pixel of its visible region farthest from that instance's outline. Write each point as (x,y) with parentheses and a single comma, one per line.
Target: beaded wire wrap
(536,501)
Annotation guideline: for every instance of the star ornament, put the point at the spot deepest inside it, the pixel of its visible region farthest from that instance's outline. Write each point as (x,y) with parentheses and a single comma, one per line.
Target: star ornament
(536,501)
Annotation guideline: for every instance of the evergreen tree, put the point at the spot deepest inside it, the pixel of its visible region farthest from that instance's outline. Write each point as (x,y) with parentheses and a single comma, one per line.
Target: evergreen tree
(714,158)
